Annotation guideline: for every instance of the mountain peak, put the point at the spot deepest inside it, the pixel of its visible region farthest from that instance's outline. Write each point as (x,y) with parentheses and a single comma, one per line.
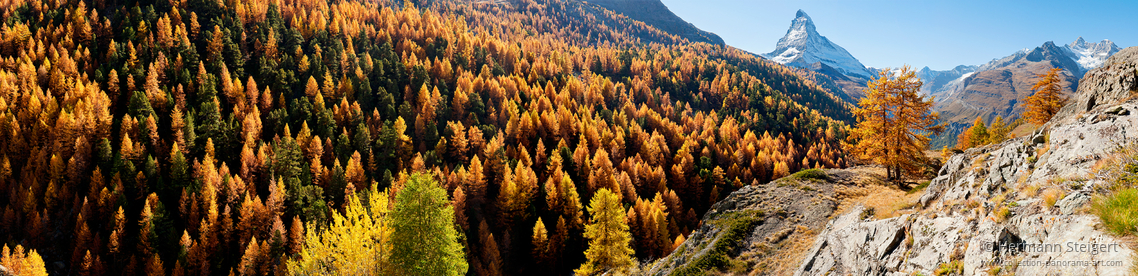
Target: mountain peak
(656,14)
(803,46)
(801,14)
(1079,42)
(1091,55)
(802,24)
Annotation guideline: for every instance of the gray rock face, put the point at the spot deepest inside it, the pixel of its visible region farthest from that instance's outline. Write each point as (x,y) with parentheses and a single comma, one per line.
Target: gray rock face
(1072,202)
(1076,146)
(777,210)
(1109,84)
(961,220)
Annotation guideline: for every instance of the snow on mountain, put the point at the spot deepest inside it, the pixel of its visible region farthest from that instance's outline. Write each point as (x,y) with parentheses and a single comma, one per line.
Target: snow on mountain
(1087,55)
(937,82)
(803,46)
(1091,55)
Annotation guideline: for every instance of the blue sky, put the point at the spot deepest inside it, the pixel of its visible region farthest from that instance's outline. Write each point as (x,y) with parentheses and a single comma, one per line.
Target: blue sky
(939,34)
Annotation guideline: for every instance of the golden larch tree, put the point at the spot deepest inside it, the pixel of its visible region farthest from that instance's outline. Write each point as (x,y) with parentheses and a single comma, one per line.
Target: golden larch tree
(608,234)
(1047,100)
(894,123)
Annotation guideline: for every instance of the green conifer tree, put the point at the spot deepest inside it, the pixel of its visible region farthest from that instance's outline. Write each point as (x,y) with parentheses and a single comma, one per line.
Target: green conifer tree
(424,239)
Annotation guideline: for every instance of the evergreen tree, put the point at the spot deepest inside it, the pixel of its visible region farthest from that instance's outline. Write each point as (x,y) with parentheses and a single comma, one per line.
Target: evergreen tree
(424,240)
(140,105)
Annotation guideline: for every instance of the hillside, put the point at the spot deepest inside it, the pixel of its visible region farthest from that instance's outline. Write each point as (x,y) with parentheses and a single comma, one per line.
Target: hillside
(214,137)
(653,12)
(1041,189)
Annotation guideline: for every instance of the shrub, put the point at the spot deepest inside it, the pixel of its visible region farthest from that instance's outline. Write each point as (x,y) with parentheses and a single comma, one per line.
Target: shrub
(737,226)
(1118,211)
(920,187)
(952,268)
(811,174)
(1002,214)
(1031,191)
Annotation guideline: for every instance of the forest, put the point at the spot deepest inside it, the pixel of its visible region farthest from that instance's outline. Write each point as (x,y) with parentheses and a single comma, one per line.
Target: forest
(240,137)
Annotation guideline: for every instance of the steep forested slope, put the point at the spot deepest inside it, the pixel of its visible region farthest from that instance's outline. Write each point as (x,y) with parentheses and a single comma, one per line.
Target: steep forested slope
(199,137)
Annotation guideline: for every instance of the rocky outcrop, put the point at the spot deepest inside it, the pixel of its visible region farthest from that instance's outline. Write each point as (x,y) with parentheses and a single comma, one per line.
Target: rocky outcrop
(978,201)
(755,222)
(1112,83)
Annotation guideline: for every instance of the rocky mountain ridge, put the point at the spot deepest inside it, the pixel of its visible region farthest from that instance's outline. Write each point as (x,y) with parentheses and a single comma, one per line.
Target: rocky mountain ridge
(1032,191)
(655,13)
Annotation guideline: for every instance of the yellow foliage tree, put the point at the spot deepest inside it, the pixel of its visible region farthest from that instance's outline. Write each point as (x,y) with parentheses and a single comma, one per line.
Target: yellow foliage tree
(608,235)
(1047,99)
(356,242)
(894,123)
(998,131)
(22,264)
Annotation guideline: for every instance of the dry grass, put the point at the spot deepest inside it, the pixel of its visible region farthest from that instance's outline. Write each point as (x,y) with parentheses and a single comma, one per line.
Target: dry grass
(1023,178)
(999,199)
(978,162)
(1023,130)
(1002,214)
(1050,196)
(1117,206)
(1031,191)
(790,253)
(1039,152)
(886,201)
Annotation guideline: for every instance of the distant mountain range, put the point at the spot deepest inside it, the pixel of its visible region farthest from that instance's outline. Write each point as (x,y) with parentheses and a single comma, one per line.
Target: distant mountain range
(1083,57)
(963,92)
(998,87)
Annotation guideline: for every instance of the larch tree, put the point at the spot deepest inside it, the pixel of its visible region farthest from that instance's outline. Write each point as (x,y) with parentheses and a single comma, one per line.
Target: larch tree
(998,131)
(357,242)
(540,244)
(20,262)
(608,235)
(311,88)
(1047,100)
(978,133)
(424,239)
(894,123)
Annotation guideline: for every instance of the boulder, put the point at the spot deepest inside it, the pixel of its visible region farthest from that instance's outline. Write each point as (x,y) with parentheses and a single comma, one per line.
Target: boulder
(1072,202)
